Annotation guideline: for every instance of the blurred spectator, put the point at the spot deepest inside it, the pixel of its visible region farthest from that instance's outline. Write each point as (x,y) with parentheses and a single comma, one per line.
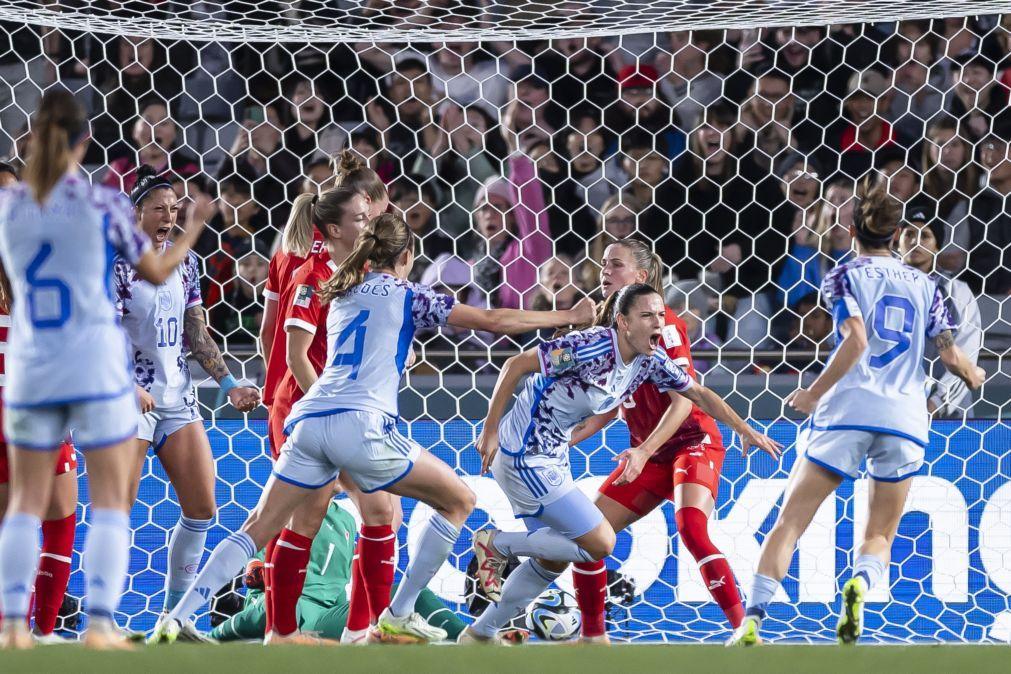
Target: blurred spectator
(259,156)
(461,171)
(814,251)
(555,289)
(618,218)
(238,316)
(367,143)
(466,74)
(690,73)
(318,175)
(154,137)
(766,135)
(990,222)
(691,303)
(921,239)
(511,220)
(406,114)
(977,95)
(415,200)
(309,128)
(919,85)
(642,106)
(579,74)
(950,179)
(22,77)
(902,180)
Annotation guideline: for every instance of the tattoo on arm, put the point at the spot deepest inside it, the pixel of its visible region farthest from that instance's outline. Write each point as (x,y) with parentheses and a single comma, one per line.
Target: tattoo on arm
(202,345)
(944,340)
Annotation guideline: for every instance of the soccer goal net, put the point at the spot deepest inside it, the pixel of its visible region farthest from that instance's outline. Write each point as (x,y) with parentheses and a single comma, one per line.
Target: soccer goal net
(519,139)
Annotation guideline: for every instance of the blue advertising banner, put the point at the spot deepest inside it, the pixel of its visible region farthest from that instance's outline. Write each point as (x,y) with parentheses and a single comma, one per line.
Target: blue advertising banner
(949,580)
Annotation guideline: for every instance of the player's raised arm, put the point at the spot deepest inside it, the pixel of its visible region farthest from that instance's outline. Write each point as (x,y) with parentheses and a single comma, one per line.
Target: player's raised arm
(847,355)
(957,362)
(518,321)
(156,267)
(514,369)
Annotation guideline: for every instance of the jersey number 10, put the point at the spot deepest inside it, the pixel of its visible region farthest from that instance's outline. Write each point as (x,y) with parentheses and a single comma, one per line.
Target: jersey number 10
(168,331)
(355,328)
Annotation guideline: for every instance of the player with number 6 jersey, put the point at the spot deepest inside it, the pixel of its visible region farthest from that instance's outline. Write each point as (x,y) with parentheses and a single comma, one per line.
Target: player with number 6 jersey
(868,405)
(165,323)
(347,421)
(67,366)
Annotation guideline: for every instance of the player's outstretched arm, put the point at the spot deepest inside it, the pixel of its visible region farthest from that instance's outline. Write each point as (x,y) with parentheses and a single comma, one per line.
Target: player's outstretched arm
(851,349)
(636,457)
(717,408)
(957,362)
(518,321)
(156,267)
(514,369)
(205,350)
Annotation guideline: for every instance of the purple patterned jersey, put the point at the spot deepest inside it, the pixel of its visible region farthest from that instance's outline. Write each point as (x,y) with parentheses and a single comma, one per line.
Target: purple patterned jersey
(153,317)
(901,308)
(582,374)
(66,345)
(369,334)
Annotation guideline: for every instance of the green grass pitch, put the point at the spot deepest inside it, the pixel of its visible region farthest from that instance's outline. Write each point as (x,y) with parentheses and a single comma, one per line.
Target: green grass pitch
(558,659)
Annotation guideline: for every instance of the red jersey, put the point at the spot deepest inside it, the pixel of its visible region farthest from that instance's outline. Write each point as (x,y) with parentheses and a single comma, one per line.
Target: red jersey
(300,307)
(643,412)
(282,268)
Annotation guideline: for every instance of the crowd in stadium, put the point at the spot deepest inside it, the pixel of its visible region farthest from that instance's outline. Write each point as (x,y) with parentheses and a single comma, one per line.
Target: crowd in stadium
(736,153)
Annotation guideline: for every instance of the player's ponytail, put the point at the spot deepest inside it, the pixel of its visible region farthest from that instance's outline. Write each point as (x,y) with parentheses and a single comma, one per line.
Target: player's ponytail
(378,245)
(296,239)
(876,216)
(59,124)
(349,171)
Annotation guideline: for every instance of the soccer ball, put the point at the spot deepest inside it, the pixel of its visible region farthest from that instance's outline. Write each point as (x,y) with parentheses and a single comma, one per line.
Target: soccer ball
(554,616)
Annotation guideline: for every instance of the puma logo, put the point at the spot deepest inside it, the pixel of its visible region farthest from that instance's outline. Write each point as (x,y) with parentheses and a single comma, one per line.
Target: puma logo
(715,583)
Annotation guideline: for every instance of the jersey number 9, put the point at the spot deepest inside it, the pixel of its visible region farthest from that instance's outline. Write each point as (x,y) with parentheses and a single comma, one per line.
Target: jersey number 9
(899,339)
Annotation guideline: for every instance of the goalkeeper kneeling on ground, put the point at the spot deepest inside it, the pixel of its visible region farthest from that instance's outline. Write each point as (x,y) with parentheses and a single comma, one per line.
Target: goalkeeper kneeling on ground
(323,608)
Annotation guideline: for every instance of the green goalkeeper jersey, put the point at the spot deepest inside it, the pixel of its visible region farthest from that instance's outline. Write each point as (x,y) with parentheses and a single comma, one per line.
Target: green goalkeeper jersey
(329,571)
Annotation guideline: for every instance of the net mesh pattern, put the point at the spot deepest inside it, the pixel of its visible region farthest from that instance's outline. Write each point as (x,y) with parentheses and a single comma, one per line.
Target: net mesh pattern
(519,140)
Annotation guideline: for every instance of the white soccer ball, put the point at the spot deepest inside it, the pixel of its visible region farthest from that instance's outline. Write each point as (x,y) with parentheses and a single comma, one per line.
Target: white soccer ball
(554,616)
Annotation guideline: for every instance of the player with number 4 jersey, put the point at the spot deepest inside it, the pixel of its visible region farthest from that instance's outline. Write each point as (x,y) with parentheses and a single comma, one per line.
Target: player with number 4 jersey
(868,406)
(347,421)
(67,366)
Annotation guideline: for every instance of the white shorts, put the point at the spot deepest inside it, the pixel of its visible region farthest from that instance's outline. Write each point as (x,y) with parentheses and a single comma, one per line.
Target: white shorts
(531,482)
(890,458)
(366,446)
(157,425)
(94,424)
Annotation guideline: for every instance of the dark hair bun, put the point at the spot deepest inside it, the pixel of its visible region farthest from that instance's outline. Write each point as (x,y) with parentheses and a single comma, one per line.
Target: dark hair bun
(147,180)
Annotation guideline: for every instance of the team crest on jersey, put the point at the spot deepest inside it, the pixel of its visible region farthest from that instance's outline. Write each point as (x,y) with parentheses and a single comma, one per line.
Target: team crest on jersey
(562,359)
(303,296)
(552,476)
(164,300)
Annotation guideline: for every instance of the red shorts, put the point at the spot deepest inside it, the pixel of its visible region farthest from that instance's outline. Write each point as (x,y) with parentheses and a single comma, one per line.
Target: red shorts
(65,462)
(700,464)
(275,428)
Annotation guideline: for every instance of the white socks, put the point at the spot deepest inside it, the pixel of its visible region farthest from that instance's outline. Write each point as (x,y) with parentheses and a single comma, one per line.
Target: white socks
(185,550)
(521,587)
(19,562)
(227,561)
(433,549)
(106,559)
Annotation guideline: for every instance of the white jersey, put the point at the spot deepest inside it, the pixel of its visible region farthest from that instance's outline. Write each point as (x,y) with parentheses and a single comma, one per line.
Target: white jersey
(582,374)
(154,317)
(369,334)
(885,392)
(66,345)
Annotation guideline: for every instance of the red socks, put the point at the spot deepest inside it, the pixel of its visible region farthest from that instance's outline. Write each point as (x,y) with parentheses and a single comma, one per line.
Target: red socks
(716,573)
(359,616)
(54,571)
(371,575)
(590,581)
(289,562)
(378,547)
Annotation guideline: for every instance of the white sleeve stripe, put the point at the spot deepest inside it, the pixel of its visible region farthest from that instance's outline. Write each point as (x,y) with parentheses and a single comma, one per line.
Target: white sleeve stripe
(194,303)
(300,324)
(271,295)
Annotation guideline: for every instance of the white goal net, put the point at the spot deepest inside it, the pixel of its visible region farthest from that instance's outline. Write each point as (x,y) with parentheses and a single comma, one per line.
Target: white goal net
(519,139)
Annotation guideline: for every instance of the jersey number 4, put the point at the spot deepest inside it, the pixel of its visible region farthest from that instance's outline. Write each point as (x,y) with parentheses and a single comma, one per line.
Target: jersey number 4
(900,338)
(48,298)
(356,329)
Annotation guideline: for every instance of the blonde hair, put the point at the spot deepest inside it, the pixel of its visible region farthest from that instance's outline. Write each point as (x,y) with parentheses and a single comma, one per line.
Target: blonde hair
(349,171)
(59,123)
(876,215)
(378,245)
(313,210)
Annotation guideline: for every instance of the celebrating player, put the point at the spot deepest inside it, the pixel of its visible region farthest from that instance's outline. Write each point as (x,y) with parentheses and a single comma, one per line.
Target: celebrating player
(868,403)
(162,323)
(585,373)
(685,469)
(61,516)
(65,366)
(346,423)
(303,342)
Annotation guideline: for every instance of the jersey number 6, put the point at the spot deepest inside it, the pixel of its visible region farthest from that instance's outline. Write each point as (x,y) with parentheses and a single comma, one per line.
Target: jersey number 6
(900,339)
(357,329)
(48,298)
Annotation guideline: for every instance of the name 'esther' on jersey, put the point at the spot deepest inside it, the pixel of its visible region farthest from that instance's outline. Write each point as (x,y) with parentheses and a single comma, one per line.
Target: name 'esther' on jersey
(154,318)
(66,344)
(901,308)
(582,374)
(369,334)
